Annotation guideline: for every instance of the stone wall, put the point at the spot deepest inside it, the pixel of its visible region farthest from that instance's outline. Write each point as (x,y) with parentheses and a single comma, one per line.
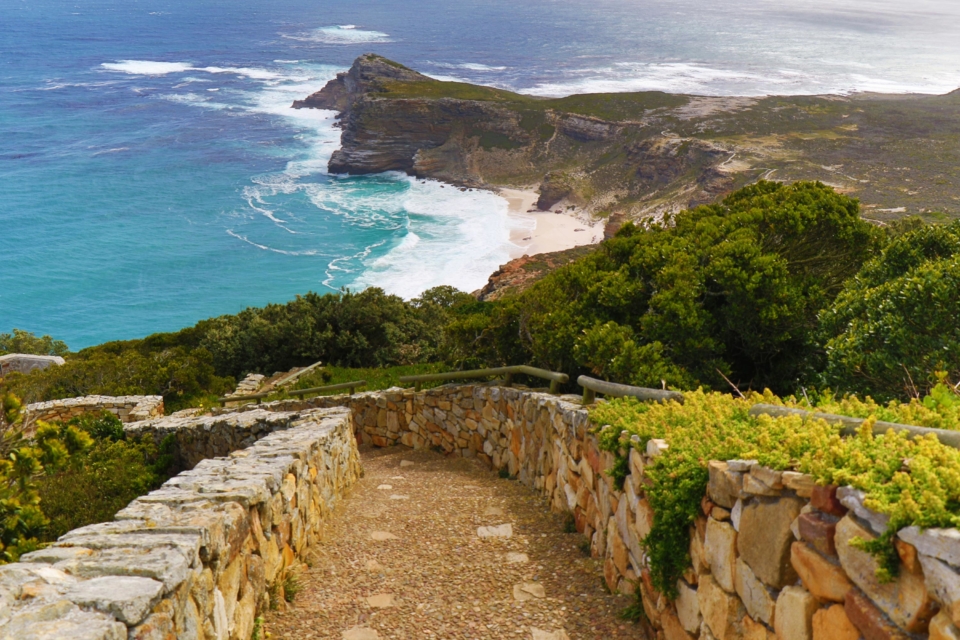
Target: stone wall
(127,408)
(773,554)
(195,558)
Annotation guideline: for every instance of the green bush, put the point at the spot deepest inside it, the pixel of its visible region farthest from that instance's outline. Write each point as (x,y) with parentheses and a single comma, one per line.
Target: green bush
(70,475)
(20,341)
(893,331)
(732,289)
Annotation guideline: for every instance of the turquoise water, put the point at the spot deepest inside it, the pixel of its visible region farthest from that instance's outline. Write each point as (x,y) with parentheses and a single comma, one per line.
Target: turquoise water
(153,173)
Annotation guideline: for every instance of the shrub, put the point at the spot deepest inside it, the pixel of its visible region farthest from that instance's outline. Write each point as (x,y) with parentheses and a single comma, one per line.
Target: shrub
(20,341)
(70,475)
(924,490)
(731,289)
(894,327)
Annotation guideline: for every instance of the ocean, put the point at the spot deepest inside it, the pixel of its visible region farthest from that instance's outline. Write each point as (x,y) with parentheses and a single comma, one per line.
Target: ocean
(154,175)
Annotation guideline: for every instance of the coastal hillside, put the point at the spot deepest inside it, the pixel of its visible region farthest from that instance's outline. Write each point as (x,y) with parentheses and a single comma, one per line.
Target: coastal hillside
(646,153)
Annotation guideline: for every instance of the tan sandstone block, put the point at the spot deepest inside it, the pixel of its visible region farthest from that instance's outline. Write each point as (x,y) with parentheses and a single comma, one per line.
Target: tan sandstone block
(765,539)
(904,600)
(794,616)
(824,580)
(720,549)
(688,608)
(942,628)
(832,623)
(753,630)
(672,628)
(724,486)
(722,612)
(755,595)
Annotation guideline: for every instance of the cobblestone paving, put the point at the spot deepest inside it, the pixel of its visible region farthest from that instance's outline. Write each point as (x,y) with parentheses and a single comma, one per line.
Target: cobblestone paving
(404,559)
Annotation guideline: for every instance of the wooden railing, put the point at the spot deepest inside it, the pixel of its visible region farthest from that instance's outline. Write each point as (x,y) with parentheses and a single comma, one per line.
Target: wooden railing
(556,379)
(592,386)
(258,397)
(352,386)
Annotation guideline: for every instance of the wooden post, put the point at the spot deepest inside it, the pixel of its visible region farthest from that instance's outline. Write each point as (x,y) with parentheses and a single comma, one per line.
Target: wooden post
(554,387)
(417,386)
(508,380)
(589,396)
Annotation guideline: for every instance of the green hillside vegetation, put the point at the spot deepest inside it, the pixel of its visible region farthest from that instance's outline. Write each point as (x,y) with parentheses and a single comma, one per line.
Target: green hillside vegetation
(194,366)
(67,475)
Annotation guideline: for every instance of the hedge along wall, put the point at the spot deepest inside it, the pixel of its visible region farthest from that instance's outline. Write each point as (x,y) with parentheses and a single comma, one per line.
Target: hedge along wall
(773,555)
(193,559)
(127,408)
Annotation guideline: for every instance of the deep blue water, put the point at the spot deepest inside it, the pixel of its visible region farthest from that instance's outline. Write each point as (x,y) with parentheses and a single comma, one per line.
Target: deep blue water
(153,174)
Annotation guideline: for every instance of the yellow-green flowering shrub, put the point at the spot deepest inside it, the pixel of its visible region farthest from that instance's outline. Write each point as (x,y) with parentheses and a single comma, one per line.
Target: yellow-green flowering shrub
(912,481)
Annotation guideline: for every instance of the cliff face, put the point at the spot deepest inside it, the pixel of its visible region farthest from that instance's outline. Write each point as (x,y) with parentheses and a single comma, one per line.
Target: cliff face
(644,153)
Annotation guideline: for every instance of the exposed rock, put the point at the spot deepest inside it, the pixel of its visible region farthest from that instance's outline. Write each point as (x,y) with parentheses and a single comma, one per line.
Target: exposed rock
(794,617)
(528,591)
(672,628)
(868,619)
(725,485)
(688,607)
(765,539)
(905,600)
(499,531)
(128,599)
(832,623)
(720,547)
(943,544)
(853,499)
(823,579)
(722,612)
(943,582)
(757,599)
(942,628)
(819,532)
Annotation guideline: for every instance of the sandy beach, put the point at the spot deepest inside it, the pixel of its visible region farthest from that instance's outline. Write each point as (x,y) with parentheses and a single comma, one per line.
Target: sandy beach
(545,231)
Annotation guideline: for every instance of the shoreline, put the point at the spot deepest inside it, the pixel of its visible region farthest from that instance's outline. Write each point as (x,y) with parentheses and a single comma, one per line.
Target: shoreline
(533,232)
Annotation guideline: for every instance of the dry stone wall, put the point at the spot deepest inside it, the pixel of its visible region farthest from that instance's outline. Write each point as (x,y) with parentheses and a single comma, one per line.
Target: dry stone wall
(194,559)
(773,554)
(127,408)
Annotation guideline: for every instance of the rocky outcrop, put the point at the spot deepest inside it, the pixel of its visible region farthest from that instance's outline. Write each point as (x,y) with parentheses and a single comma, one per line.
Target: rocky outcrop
(521,273)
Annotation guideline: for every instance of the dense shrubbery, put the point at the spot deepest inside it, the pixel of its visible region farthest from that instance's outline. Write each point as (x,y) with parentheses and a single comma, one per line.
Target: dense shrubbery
(895,326)
(731,289)
(20,341)
(68,475)
(193,366)
(717,426)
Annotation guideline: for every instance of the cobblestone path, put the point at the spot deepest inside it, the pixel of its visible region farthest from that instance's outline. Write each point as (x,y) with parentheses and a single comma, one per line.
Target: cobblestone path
(420,550)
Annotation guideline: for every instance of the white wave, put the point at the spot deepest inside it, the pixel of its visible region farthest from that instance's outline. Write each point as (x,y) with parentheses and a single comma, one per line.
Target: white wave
(309,252)
(115,150)
(147,67)
(345,34)
(470,66)
(453,238)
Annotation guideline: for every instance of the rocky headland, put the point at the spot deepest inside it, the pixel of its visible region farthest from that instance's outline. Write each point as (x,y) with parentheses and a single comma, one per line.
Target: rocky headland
(636,155)
(643,153)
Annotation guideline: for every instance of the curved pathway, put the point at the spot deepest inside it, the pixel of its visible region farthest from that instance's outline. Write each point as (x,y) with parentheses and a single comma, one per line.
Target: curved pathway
(429,547)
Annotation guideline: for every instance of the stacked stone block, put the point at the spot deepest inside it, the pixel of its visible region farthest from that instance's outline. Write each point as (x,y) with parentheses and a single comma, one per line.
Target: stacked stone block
(127,408)
(773,554)
(195,558)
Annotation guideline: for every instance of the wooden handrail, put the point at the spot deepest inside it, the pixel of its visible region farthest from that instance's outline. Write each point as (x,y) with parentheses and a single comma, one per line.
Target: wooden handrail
(852,425)
(555,378)
(253,396)
(592,386)
(332,387)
